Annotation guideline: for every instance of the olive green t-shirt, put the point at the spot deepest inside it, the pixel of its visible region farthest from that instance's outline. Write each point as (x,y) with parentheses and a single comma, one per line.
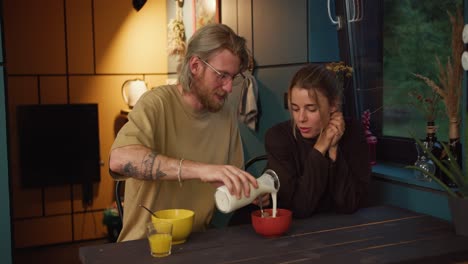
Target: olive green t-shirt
(162,121)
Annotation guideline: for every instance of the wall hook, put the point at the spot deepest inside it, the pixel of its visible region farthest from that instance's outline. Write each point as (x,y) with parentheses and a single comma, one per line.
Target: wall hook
(358,11)
(339,19)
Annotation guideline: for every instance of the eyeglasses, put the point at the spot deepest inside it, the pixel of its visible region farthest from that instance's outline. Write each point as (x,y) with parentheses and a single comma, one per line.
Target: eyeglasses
(223,77)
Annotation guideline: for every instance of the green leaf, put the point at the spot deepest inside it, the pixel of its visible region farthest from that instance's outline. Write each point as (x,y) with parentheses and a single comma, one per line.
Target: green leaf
(443,185)
(449,168)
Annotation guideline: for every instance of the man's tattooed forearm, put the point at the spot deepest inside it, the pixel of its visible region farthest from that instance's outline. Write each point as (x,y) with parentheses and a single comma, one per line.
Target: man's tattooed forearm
(159,173)
(148,164)
(129,169)
(146,171)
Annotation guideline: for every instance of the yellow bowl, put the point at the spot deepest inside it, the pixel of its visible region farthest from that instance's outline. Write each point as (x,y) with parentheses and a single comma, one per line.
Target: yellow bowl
(181,219)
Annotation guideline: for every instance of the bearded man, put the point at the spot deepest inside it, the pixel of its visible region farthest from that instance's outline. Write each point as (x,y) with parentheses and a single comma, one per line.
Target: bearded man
(180,141)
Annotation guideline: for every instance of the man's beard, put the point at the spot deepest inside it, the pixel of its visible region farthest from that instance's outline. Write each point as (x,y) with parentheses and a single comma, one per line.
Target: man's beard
(207,99)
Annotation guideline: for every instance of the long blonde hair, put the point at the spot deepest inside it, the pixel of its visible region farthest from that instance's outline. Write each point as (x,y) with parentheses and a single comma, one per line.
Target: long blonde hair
(206,42)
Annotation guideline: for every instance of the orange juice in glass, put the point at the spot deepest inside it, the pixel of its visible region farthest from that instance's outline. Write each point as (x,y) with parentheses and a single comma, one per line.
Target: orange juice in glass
(160,238)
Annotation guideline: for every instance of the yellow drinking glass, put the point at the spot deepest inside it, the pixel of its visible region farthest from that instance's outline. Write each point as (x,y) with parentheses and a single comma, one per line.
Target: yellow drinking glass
(160,238)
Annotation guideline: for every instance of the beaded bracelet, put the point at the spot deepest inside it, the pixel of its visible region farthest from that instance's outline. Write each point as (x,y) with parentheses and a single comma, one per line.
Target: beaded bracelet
(179,172)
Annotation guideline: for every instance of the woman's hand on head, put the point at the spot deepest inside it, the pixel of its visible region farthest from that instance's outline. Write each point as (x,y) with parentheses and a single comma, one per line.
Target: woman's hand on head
(336,126)
(332,133)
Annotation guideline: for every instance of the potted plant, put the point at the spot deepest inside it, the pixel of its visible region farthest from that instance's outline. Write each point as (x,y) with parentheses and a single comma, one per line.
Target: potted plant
(449,85)
(457,197)
(449,88)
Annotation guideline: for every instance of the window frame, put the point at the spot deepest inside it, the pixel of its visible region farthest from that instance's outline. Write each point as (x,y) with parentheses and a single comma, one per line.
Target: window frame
(391,149)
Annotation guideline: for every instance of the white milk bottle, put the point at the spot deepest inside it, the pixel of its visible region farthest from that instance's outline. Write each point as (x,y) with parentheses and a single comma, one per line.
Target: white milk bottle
(226,203)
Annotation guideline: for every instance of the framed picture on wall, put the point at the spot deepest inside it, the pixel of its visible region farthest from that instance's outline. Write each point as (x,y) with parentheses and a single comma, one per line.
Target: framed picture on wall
(205,12)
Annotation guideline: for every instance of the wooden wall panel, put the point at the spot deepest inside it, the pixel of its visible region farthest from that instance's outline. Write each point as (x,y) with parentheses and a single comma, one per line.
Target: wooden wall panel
(53,90)
(88,226)
(128,41)
(280,31)
(57,200)
(80,36)
(245,21)
(99,200)
(34,36)
(106,90)
(156,80)
(40,231)
(238,16)
(38,35)
(229,13)
(25,202)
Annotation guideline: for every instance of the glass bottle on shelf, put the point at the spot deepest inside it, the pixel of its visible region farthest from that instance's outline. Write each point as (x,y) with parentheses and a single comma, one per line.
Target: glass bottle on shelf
(432,143)
(454,148)
(425,163)
(455,151)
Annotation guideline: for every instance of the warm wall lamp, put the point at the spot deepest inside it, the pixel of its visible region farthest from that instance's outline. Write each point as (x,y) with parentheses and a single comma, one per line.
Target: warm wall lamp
(138,4)
(132,90)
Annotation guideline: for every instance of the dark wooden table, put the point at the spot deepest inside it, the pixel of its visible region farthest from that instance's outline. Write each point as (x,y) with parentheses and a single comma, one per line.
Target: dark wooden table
(371,235)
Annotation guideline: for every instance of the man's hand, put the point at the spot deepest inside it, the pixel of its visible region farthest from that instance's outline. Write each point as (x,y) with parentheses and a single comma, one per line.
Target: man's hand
(236,180)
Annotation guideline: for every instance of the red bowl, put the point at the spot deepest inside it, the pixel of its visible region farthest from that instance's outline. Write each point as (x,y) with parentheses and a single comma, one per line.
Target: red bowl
(269,226)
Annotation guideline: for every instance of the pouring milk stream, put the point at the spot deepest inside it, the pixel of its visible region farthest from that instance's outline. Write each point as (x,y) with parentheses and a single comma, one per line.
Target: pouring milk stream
(267,183)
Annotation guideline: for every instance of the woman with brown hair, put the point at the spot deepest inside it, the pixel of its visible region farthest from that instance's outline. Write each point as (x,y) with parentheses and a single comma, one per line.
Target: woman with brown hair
(321,159)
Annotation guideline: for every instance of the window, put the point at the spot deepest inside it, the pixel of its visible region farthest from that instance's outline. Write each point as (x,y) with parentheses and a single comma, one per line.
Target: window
(414,33)
(394,39)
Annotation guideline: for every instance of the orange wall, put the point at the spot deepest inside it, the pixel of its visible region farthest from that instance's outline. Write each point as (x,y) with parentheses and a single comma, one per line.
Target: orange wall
(75,51)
